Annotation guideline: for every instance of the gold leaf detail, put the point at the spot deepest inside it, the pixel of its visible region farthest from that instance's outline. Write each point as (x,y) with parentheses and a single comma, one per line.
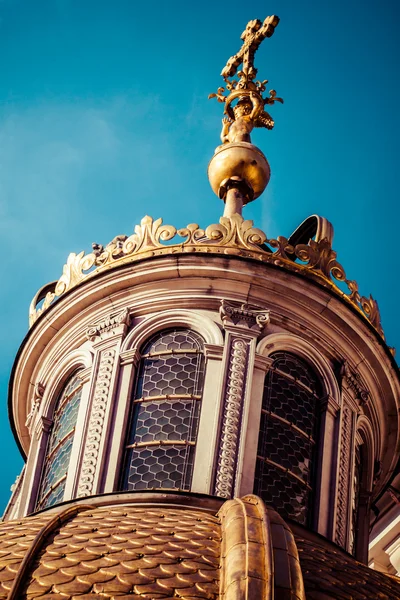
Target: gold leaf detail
(232,236)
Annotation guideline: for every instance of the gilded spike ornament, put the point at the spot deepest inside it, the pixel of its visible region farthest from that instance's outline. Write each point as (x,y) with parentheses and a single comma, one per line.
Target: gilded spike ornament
(238,165)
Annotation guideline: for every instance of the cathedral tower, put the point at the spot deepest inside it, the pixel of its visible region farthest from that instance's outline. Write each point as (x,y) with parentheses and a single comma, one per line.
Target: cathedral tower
(205,413)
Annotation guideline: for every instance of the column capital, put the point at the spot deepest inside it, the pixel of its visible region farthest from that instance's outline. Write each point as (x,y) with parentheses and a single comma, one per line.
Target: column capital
(115,324)
(240,316)
(353,381)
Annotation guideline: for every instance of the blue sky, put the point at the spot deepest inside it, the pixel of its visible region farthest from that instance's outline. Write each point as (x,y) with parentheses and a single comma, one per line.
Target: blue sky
(104,118)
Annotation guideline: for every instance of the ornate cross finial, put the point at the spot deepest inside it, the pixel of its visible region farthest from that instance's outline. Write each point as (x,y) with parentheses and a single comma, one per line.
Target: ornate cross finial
(244,104)
(252,36)
(239,172)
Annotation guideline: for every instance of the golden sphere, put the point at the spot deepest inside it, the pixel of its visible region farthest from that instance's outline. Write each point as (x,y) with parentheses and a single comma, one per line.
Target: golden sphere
(239,159)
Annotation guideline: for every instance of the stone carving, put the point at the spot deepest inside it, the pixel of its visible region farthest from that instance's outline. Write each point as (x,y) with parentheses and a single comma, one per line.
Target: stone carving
(243,315)
(232,417)
(37,399)
(354,381)
(343,479)
(96,422)
(108,324)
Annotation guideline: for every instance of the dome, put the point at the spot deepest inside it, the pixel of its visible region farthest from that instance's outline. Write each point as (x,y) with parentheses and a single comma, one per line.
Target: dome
(154,546)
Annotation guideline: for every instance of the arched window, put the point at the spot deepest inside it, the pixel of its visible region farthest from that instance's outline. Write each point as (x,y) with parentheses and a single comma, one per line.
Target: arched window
(59,445)
(286,443)
(165,412)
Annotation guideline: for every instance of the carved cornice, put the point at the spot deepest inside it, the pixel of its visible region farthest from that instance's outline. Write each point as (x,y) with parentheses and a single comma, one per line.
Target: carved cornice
(232,236)
(354,382)
(244,316)
(109,325)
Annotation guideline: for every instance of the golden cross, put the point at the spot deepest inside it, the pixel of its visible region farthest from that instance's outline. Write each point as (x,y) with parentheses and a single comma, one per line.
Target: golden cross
(252,37)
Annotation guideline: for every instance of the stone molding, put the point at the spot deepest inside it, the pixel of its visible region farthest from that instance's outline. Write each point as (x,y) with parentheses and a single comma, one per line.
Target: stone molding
(128,357)
(262,362)
(43,426)
(213,351)
(115,323)
(329,404)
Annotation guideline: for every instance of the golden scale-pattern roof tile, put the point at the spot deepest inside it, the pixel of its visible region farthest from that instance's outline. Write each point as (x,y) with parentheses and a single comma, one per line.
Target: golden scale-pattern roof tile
(331,573)
(115,552)
(153,551)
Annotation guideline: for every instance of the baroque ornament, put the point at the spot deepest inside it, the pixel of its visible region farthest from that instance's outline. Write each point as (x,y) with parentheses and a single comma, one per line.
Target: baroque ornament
(233,236)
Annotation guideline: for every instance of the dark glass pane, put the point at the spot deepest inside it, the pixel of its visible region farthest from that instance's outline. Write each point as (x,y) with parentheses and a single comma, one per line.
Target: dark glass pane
(170,374)
(287,448)
(297,368)
(60,445)
(288,400)
(286,494)
(287,430)
(178,339)
(172,365)
(173,420)
(158,467)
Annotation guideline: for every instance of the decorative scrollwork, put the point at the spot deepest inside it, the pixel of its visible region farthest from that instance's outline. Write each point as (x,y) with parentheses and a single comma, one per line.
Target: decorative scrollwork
(231,419)
(232,236)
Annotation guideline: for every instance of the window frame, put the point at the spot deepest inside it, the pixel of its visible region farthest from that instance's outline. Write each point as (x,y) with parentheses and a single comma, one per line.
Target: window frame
(136,401)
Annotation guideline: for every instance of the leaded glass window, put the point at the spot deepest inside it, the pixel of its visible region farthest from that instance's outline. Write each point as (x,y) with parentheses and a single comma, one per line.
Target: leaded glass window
(165,415)
(59,445)
(286,443)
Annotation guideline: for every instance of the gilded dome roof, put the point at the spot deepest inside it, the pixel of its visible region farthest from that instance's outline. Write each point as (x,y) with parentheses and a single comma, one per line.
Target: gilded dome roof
(160,549)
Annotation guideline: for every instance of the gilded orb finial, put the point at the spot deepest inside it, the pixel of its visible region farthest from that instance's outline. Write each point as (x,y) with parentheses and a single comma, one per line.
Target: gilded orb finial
(238,158)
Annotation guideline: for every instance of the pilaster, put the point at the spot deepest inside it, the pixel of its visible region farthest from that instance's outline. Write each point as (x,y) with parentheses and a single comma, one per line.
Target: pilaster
(326,465)
(345,467)
(106,336)
(243,324)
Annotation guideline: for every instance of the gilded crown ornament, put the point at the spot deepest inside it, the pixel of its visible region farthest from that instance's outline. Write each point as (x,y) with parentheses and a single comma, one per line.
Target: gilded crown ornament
(232,236)
(239,171)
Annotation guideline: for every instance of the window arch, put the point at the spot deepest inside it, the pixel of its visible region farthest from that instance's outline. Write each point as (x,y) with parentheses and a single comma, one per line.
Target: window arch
(162,432)
(59,444)
(288,429)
